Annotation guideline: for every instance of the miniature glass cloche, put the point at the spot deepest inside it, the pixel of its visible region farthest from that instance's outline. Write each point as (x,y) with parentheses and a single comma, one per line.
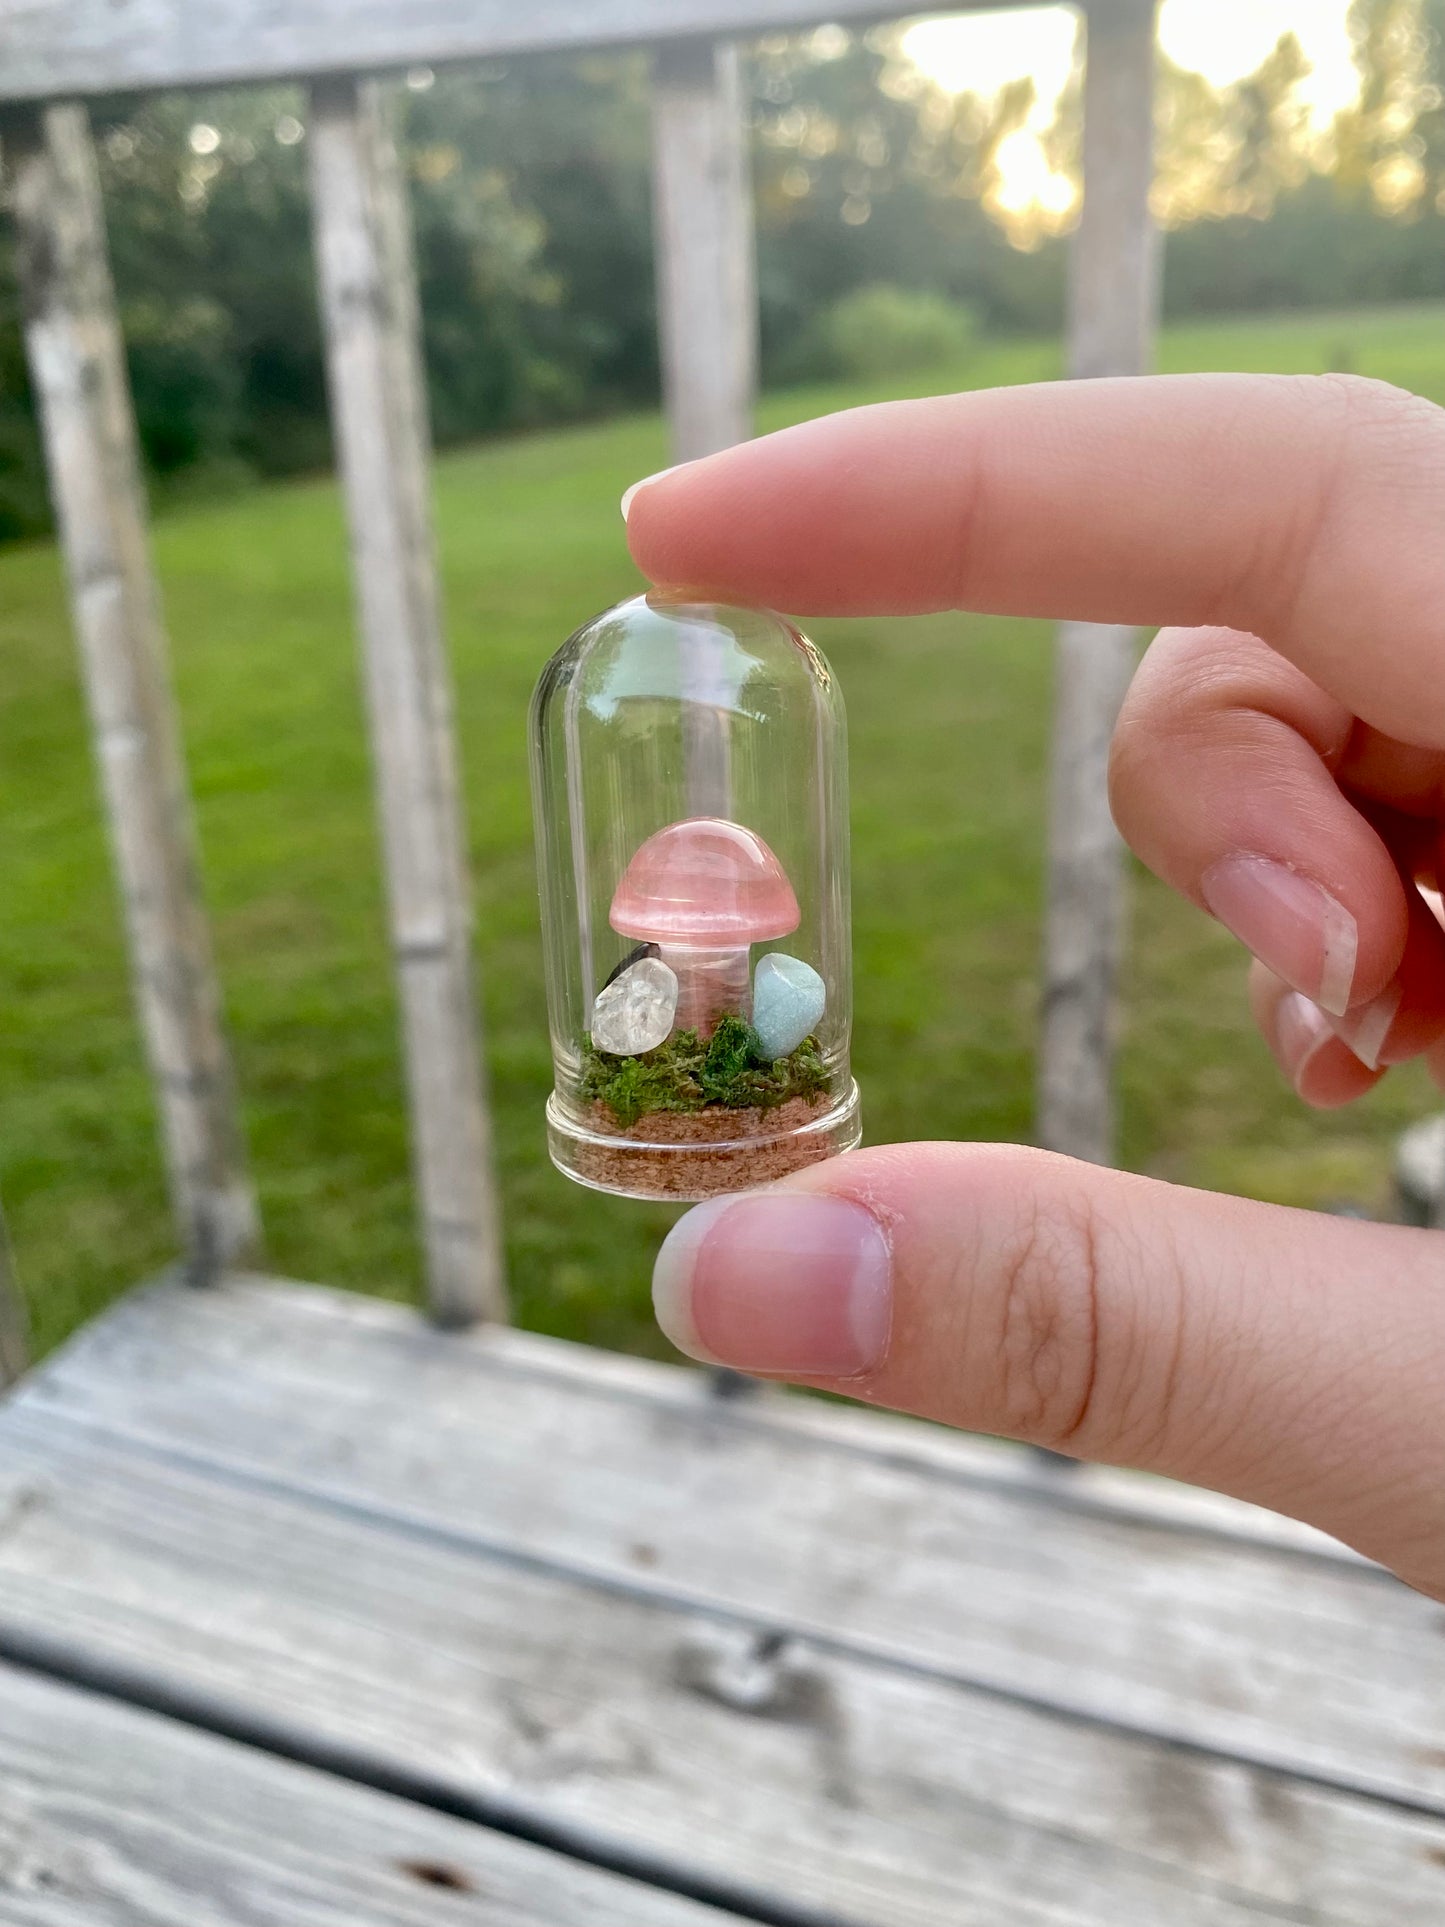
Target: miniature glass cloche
(689,774)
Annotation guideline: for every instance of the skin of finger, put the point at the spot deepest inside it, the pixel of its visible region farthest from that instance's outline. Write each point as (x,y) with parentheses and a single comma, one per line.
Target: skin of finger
(1305,509)
(1222,748)
(1405,778)
(1294,1360)
(1333,1076)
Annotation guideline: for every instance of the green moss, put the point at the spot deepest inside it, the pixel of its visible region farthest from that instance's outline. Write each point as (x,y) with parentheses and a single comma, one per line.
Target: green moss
(691,1073)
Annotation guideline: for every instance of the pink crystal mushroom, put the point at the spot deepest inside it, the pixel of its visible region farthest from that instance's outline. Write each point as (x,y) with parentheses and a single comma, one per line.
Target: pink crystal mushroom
(704,890)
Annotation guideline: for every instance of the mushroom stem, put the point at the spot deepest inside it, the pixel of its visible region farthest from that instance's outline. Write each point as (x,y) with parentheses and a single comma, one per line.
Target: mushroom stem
(711,984)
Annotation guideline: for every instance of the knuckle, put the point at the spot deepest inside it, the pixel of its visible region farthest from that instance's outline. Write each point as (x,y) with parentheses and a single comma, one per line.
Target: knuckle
(1376,441)
(1092,1333)
(1048,1320)
(1189,681)
(1395,443)
(1371,404)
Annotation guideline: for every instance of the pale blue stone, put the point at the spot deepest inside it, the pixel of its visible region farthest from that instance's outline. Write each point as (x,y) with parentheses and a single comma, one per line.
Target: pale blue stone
(788,1000)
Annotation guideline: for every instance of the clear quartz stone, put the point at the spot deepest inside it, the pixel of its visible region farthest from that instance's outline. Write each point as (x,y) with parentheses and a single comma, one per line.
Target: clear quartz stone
(634,1012)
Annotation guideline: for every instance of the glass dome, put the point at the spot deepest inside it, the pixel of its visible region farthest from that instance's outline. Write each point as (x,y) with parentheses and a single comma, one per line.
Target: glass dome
(689,774)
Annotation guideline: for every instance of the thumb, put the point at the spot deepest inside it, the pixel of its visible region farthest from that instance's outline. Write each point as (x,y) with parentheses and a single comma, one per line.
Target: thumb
(1291,1359)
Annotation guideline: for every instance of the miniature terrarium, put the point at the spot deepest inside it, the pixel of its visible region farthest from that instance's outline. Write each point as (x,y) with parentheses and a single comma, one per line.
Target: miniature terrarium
(690,784)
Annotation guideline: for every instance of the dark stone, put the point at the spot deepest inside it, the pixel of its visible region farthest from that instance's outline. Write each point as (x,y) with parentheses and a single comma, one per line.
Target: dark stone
(634,956)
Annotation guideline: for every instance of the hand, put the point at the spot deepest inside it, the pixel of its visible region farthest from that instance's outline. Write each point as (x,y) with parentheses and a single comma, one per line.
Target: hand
(1281,761)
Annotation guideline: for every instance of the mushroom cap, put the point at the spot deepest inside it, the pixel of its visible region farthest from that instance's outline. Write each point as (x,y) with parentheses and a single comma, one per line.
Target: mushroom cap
(704,882)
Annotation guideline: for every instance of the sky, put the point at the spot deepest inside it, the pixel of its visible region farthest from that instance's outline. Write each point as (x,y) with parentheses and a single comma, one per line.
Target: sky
(1221,39)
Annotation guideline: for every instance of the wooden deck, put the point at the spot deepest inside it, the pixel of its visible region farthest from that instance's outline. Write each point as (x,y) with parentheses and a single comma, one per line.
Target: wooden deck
(310,1613)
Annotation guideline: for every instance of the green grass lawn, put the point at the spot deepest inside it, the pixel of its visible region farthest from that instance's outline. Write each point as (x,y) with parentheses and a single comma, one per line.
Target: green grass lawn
(948,748)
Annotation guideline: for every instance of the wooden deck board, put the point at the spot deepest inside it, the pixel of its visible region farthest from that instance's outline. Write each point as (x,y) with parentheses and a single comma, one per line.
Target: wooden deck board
(113,1817)
(539,1587)
(939,1553)
(635,1730)
(157,1341)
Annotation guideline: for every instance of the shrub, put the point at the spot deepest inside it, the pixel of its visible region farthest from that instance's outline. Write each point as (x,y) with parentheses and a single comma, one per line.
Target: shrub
(884,330)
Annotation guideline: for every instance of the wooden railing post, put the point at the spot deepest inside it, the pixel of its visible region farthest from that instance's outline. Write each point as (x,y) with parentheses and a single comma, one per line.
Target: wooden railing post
(1112,319)
(378,404)
(703,236)
(77,368)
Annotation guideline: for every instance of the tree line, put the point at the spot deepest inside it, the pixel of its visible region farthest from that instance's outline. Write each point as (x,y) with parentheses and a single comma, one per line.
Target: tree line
(530,191)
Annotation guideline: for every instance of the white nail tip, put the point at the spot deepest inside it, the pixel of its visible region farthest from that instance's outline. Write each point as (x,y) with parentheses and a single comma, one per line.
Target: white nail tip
(1374,1027)
(1341,948)
(629,495)
(1301,1031)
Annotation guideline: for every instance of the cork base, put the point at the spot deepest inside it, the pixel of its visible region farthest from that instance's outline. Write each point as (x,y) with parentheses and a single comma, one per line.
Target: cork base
(685,1156)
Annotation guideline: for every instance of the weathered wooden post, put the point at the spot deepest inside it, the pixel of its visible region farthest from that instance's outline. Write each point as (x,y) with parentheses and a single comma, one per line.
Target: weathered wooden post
(77,367)
(378,402)
(707,322)
(707,304)
(1113,310)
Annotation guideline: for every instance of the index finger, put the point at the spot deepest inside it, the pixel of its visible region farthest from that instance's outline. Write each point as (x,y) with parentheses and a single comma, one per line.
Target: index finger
(1304,509)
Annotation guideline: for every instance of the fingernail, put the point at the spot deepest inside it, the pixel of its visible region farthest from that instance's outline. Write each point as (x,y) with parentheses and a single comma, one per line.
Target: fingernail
(1291,923)
(629,495)
(1366,1029)
(1300,1030)
(778,1281)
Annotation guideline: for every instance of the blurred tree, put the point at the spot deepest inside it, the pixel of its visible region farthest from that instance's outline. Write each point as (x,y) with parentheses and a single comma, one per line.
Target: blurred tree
(1272,138)
(564,147)
(1284,220)
(845,121)
(1236,149)
(882,329)
(1430,126)
(1316,250)
(867,174)
(1379,148)
(209,226)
